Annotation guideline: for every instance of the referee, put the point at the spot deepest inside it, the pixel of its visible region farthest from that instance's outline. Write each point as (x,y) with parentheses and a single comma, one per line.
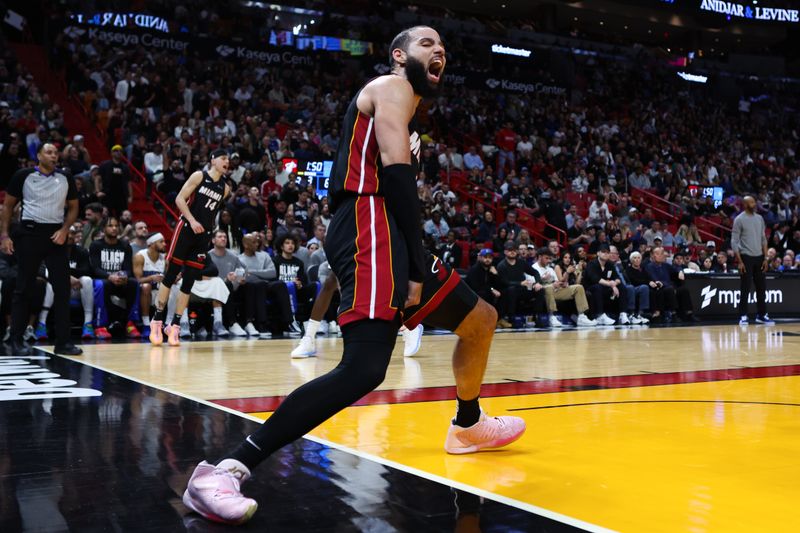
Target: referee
(41,236)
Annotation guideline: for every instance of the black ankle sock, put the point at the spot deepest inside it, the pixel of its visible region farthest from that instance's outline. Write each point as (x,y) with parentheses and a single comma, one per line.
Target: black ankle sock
(469,412)
(246,453)
(176,319)
(159,314)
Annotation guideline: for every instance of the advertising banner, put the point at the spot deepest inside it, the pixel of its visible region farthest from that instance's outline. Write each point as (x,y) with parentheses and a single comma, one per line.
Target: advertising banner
(187,44)
(719,295)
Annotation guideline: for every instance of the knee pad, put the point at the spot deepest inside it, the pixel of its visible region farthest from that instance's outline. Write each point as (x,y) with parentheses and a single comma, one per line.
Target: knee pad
(190,275)
(171,275)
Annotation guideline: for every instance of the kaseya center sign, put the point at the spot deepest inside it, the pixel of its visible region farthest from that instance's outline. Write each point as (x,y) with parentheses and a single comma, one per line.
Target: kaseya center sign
(754,12)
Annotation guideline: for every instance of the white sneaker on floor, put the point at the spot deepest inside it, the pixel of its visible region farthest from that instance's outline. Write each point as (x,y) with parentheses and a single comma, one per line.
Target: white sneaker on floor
(623,319)
(306,348)
(643,320)
(744,321)
(412,338)
(202,333)
(29,334)
(237,331)
(324,329)
(604,320)
(584,321)
(636,320)
(186,331)
(333,328)
(555,322)
(219,330)
(265,335)
(295,329)
(251,330)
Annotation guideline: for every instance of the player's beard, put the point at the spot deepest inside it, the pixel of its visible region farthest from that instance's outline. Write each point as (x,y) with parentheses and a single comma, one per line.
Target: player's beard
(417,76)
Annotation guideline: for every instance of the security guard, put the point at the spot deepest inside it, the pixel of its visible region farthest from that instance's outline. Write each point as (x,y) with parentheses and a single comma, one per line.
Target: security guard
(41,236)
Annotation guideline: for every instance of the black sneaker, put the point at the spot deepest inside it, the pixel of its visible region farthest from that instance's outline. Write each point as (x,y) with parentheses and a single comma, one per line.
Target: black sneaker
(765,320)
(68,349)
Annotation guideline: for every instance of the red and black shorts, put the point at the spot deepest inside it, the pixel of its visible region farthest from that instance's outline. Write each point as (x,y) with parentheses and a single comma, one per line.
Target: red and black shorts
(446,299)
(368,254)
(187,247)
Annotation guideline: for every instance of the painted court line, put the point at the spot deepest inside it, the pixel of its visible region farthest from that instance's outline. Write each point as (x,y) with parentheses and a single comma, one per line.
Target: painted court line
(533,509)
(523,388)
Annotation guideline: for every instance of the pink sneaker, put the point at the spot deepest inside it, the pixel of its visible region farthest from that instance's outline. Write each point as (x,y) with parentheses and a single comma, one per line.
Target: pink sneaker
(488,433)
(173,332)
(156,332)
(213,492)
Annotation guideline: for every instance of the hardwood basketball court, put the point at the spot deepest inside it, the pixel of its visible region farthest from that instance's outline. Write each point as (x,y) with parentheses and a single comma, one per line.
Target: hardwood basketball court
(629,429)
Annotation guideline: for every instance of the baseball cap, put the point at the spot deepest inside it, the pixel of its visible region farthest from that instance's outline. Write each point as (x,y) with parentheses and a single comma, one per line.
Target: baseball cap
(509,245)
(485,252)
(711,244)
(658,238)
(78,138)
(116,147)
(234,155)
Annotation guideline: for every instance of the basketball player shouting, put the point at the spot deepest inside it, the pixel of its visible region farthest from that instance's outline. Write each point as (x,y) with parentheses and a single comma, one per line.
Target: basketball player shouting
(199,200)
(374,247)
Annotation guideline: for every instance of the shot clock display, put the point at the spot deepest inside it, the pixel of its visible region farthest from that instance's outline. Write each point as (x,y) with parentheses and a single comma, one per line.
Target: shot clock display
(314,173)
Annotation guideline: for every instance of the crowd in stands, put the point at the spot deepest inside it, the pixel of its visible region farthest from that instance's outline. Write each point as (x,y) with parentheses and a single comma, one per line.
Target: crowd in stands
(491,162)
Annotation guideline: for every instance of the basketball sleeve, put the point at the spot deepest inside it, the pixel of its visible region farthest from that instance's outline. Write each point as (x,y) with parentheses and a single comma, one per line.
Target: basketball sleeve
(400,190)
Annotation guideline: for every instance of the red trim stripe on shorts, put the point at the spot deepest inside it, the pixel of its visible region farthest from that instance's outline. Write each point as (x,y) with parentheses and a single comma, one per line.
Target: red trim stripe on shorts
(175,236)
(374,273)
(419,316)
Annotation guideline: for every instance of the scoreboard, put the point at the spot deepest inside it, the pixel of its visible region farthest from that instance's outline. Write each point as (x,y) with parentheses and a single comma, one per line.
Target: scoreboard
(717,193)
(315,173)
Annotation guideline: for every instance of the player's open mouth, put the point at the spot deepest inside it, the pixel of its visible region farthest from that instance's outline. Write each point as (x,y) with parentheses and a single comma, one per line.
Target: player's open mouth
(435,70)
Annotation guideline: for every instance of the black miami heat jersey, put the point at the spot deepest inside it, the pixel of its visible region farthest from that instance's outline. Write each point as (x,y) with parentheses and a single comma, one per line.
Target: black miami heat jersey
(358,160)
(207,201)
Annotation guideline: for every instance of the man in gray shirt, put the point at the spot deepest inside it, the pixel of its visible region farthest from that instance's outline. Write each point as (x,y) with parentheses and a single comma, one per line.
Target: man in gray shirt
(227,264)
(262,285)
(749,242)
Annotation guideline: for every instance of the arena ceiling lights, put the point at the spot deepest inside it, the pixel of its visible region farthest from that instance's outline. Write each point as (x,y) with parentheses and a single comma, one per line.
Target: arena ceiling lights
(284,9)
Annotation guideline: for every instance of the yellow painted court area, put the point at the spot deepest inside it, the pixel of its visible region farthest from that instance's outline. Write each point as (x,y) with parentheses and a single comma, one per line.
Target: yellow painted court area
(675,458)
(721,455)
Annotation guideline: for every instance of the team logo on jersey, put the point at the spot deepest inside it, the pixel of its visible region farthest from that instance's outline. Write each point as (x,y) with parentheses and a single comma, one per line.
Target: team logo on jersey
(415,143)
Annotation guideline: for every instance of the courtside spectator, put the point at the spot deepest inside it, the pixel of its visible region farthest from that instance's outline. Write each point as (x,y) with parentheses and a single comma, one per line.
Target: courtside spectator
(148,269)
(112,261)
(603,284)
(483,278)
(521,285)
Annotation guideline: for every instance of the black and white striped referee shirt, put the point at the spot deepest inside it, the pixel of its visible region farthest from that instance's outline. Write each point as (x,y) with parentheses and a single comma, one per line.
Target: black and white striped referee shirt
(43,196)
